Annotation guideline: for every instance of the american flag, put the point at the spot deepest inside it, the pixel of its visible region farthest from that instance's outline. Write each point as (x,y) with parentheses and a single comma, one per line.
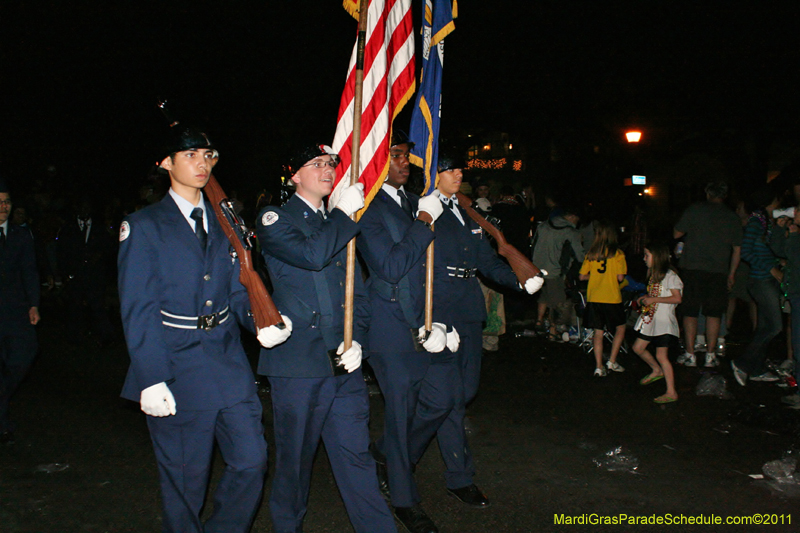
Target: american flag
(388,84)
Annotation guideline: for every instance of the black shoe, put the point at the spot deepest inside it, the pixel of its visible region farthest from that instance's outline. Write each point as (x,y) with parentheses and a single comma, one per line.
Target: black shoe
(415,520)
(7,437)
(381,471)
(471,495)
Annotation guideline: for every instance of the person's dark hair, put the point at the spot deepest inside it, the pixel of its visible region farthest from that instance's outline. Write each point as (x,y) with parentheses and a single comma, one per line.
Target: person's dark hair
(760,198)
(661,260)
(717,189)
(605,244)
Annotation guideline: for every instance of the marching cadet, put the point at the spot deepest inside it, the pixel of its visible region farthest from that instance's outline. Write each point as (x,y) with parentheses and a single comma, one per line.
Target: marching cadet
(417,385)
(19,308)
(181,300)
(317,386)
(461,252)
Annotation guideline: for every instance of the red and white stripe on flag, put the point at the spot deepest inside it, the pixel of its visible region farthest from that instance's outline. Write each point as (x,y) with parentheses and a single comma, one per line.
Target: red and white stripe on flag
(388,84)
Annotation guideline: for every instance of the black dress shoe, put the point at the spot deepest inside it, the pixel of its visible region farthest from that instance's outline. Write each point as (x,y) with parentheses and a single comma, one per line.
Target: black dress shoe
(415,520)
(381,471)
(471,495)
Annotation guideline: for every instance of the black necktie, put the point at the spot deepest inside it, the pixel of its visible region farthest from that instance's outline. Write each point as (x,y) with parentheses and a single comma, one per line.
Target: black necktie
(404,203)
(2,236)
(321,214)
(199,230)
(448,202)
(85,231)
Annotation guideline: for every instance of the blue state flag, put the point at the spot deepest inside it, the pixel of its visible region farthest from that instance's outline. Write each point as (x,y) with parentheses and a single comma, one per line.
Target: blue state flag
(437,23)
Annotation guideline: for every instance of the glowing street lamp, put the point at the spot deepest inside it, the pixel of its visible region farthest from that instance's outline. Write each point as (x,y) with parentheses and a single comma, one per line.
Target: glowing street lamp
(633,136)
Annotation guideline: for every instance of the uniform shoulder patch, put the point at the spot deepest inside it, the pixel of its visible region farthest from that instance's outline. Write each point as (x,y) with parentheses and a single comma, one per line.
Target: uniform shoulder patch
(269,218)
(124,230)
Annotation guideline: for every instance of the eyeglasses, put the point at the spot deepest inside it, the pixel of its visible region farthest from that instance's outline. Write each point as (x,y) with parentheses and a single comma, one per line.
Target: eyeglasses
(5,202)
(333,163)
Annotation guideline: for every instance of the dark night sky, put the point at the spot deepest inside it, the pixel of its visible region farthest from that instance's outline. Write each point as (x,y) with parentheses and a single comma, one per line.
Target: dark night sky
(80,80)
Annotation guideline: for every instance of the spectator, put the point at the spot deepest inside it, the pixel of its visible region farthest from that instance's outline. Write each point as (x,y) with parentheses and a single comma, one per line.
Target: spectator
(549,243)
(712,248)
(785,242)
(763,285)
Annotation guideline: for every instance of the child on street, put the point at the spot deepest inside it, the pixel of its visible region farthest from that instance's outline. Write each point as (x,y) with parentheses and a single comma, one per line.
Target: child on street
(657,324)
(605,268)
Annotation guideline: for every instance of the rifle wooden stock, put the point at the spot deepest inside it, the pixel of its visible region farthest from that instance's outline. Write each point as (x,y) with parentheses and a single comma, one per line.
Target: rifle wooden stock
(265,313)
(521,265)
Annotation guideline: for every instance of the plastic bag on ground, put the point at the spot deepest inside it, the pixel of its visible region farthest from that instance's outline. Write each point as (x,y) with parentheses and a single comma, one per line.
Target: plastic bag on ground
(713,385)
(616,460)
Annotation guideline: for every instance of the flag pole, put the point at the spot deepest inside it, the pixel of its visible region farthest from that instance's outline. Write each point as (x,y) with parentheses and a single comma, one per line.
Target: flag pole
(355,170)
(429,288)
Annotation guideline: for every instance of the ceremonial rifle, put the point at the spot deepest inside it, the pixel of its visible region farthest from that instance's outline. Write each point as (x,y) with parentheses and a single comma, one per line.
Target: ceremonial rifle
(264,312)
(521,265)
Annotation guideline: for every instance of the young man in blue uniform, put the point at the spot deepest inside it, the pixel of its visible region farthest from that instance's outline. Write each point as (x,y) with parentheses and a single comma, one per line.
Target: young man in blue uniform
(19,309)
(417,382)
(181,300)
(461,252)
(317,387)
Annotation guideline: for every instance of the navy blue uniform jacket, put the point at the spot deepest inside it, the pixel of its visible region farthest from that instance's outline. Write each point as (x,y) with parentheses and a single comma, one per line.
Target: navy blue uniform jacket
(458,299)
(393,247)
(19,279)
(307,261)
(162,267)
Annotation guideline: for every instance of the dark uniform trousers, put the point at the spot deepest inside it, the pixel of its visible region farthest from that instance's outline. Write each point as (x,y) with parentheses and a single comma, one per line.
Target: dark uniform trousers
(306,259)
(458,301)
(19,291)
(163,269)
(418,387)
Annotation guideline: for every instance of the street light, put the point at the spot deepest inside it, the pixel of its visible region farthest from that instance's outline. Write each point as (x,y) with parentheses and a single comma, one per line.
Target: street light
(633,136)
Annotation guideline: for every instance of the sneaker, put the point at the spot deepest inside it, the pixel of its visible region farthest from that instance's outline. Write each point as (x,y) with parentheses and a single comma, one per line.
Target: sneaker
(768,377)
(599,372)
(711,360)
(687,359)
(792,399)
(739,374)
(787,365)
(616,367)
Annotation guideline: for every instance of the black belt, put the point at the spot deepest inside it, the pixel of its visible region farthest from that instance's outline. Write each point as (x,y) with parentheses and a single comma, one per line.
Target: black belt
(205,322)
(457,272)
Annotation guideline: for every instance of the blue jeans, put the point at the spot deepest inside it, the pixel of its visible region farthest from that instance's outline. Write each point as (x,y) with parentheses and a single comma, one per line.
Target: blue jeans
(767,296)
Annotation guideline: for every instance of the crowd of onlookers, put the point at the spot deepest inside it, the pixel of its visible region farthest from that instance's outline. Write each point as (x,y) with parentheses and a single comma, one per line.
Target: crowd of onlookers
(735,254)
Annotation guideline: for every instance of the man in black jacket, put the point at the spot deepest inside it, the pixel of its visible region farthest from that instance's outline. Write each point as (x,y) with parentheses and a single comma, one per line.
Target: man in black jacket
(19,309)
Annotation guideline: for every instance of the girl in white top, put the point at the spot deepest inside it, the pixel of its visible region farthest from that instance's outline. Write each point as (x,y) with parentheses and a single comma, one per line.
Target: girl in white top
(657,323)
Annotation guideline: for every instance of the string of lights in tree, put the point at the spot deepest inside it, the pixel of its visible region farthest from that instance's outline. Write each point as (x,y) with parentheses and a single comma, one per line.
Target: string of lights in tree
(494,164)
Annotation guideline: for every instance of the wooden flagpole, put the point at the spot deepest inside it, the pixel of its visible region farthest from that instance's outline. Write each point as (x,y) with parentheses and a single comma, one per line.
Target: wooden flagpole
(355,170)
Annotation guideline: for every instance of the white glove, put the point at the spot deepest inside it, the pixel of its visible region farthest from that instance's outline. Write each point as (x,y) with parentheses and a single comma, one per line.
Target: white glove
(157,400)
(534,284)
(351,359)
(351,199)
(273,336)
(437,340)
(432,205)
(453,340)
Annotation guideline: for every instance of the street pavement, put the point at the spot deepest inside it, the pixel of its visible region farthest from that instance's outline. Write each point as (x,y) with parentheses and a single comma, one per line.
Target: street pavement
(83,461)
